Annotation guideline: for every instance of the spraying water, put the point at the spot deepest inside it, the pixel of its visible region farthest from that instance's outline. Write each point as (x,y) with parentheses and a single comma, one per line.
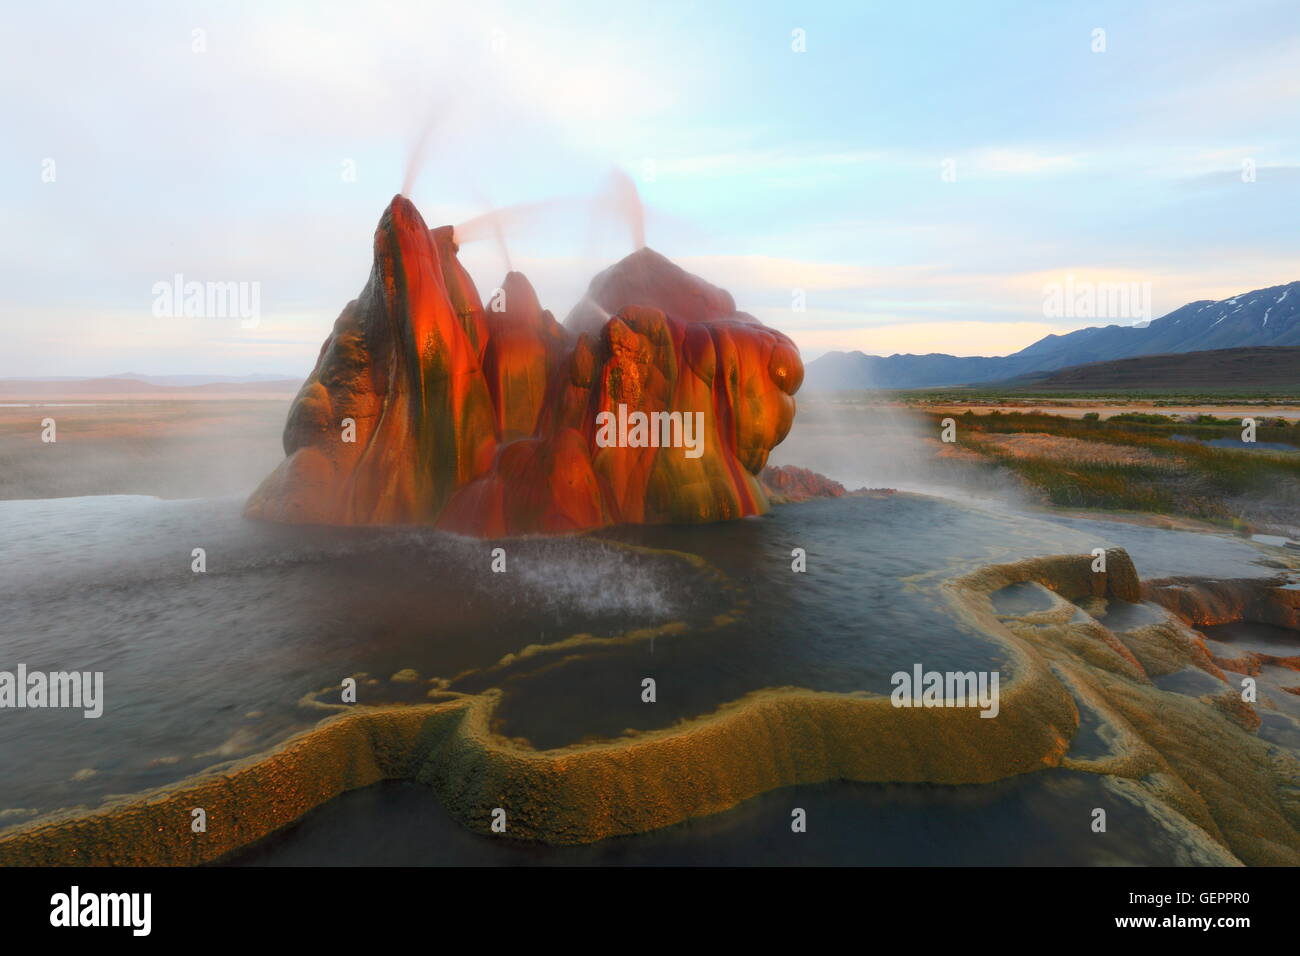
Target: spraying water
(492,223)
(625,202)
(619,201)
(415,162)
(520,216)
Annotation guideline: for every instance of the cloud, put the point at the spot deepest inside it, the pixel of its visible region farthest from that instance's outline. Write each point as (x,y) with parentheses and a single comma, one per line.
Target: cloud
(786,274)
(771,172)
(1246,86)
(1264,174)
(1020,162)
(781,159)
(952,338)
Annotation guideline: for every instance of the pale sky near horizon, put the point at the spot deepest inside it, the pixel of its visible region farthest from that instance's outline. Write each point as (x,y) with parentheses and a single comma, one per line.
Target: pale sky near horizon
(217,141)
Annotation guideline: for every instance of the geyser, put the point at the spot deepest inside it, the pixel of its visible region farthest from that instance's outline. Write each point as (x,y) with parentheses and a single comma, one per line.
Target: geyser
(426,408)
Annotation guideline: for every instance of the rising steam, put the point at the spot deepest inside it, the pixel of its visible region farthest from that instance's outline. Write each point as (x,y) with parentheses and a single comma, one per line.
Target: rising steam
(415,162)
(619,201)
(626,203)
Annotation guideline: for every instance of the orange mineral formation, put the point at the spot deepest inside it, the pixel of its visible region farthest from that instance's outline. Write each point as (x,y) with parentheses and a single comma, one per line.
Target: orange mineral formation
(655,402)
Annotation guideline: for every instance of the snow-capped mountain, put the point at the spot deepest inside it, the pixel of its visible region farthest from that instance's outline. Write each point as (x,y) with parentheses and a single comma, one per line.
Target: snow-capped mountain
(1265,317)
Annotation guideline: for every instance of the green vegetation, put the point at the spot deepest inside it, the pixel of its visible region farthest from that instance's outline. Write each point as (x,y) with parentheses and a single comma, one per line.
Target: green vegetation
(1140,418)
(1160,397)
(1136,428)
(1176,476)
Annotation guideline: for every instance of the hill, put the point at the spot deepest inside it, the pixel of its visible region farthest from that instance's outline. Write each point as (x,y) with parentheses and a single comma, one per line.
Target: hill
(1193,371)
(1265,318)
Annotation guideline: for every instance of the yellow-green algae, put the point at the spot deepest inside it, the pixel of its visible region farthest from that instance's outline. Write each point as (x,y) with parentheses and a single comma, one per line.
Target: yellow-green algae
(1195,758)
(1198,756)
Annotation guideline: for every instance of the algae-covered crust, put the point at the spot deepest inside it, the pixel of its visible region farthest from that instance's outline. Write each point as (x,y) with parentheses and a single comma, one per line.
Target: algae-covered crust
(1196,756)
(1195,759)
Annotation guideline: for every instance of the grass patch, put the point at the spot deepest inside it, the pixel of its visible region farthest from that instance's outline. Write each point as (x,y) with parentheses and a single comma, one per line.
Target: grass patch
(1232,485)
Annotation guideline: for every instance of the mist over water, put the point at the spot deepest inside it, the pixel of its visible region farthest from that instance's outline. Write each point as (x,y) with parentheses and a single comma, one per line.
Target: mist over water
(874,443)
(204,668)
(561,577)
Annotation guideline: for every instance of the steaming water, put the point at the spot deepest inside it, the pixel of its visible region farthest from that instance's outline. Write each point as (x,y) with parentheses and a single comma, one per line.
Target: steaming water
(201,669)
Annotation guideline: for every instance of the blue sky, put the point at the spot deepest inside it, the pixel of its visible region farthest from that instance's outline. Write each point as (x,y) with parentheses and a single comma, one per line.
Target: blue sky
(764,169)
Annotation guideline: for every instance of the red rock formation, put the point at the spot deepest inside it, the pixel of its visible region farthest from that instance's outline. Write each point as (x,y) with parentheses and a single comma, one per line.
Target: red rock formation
(524,344)
(648,279)
(659,403)
(792,483)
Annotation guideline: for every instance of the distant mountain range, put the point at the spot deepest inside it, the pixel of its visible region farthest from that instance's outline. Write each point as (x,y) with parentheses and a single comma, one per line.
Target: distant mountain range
(1265,317)
(1250,367)
(166,380)
(158,386)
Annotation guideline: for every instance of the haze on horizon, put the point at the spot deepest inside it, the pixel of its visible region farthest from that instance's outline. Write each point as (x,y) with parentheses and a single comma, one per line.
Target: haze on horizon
(918,173)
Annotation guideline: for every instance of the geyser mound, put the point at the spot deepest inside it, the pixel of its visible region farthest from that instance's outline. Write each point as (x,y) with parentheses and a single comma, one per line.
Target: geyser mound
(648,279)
(656,402)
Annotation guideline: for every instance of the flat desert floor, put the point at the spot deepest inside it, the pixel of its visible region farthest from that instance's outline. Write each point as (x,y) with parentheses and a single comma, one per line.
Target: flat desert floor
(168,449)
(1108,408)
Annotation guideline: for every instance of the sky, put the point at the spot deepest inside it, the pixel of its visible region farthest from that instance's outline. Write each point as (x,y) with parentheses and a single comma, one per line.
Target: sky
(889,177)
